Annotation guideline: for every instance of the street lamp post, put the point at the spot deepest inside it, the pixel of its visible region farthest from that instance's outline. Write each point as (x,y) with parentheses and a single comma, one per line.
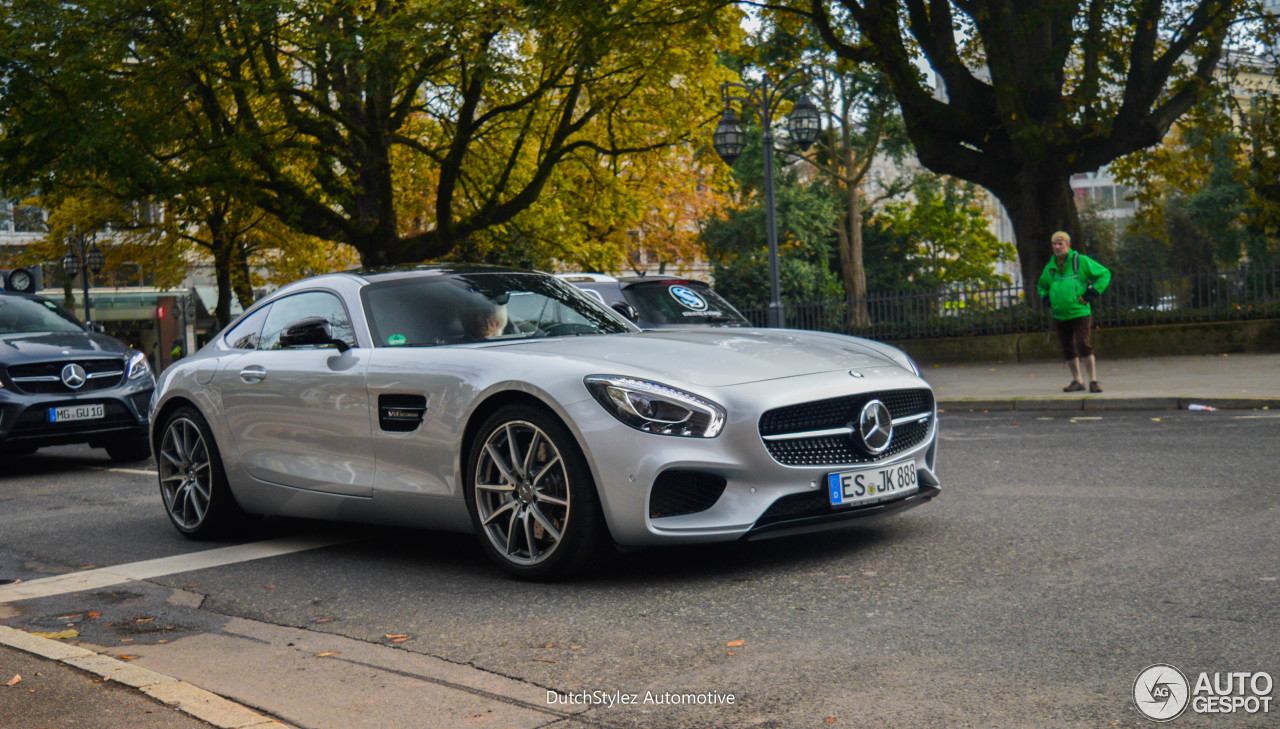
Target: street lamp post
(804,123)
(88,258)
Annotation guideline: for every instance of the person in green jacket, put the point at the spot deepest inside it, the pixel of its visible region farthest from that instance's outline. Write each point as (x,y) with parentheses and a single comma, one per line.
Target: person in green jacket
(1071,280)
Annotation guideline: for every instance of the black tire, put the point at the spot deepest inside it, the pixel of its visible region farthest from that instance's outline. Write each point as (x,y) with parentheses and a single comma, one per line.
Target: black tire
(129,450)
(549,497)
(197,499)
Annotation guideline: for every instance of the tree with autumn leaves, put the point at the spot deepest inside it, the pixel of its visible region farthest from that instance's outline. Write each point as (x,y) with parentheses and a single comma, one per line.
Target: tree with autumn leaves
(1030,92)
(407,130)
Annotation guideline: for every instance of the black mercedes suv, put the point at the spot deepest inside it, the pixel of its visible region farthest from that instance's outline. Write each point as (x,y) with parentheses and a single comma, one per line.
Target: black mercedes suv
(61,382)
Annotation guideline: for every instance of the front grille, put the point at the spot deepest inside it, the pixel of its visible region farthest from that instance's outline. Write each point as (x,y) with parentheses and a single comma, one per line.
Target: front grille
(678,492)
(102,374)
(797,506)
(842,412)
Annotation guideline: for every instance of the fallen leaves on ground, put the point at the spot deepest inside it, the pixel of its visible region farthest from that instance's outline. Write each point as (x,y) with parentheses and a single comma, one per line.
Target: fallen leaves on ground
(14,681)
(326,654)
(735,643)
(143,620)
(124,657)
(397,638)
(60,635)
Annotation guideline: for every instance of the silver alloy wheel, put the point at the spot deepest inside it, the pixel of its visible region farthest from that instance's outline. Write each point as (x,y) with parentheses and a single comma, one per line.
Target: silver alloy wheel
(186,478)
(522,492)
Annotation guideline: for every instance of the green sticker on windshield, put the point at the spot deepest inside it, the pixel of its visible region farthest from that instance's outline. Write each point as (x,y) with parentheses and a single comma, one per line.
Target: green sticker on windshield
(396,340)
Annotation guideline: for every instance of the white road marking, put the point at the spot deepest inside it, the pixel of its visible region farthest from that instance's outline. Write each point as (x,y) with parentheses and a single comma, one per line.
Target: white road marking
(1257,417)
(107,576)
(152,472)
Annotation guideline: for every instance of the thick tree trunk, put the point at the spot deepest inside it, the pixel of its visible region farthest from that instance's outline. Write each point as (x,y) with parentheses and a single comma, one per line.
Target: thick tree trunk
(241,283)
(853,272)
(1039,204)
(222,274)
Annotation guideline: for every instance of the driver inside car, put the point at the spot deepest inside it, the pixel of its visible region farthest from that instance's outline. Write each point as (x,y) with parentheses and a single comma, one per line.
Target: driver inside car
(482,321)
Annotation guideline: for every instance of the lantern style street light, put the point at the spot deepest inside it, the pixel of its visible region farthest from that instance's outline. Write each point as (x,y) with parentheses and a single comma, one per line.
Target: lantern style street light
(729,139)
(88,258)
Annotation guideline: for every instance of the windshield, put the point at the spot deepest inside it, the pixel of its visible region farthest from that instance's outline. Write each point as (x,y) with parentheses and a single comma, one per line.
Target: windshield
(20,315)
(480,307)
(680,303)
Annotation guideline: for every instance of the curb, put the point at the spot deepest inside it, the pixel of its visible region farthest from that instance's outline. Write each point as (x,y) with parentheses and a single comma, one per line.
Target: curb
(1106,403)
(180,695)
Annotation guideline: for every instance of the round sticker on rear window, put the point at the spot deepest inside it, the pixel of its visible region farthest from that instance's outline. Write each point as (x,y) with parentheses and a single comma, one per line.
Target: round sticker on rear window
(396,339)
(688,298)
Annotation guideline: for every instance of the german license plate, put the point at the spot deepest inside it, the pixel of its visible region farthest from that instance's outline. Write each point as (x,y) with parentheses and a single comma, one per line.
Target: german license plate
(75,412)
(872,485)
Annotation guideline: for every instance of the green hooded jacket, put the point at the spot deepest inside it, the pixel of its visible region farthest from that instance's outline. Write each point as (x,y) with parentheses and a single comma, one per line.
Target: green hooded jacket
(1067,287)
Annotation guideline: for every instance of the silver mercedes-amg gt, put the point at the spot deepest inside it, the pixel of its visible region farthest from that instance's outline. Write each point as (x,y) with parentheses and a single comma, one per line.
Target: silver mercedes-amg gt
(509,404)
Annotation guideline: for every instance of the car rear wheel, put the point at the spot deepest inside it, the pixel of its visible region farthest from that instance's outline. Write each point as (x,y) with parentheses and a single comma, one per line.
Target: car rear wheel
(192,482)
(531,496)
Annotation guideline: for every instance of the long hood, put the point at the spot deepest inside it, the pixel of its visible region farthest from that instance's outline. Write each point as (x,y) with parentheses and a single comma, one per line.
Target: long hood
(714,357)
(39,347)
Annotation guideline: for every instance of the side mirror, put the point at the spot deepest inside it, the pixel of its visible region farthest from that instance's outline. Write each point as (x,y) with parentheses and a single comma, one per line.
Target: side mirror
(627,310)
(313,331)
(96,327)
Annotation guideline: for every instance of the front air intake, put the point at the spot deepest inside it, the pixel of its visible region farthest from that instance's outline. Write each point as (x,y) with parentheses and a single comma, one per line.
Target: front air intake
(677,492)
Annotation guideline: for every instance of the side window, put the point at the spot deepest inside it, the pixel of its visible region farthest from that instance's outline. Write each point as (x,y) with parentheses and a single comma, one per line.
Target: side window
(245,333)
(300,306)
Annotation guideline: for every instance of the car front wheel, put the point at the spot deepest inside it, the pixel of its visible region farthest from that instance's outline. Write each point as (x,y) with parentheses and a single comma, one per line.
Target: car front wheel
(531,496)
(192,482)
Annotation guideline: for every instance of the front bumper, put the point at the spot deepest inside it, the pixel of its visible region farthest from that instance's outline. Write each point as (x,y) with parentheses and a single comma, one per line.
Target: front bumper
(761,497)
(24,418)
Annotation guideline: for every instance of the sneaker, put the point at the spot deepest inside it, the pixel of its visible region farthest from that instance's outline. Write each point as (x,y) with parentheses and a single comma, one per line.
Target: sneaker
(1094,387)
(1073,387)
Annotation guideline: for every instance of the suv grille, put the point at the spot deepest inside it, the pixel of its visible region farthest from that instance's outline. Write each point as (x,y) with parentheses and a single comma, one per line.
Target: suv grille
(842,412)
(44,378)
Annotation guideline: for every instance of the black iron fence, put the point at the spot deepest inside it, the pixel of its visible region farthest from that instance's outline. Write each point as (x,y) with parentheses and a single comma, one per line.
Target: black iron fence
(1130,300)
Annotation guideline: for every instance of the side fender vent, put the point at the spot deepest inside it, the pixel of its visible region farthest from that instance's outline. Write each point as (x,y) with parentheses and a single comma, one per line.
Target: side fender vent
(401,413)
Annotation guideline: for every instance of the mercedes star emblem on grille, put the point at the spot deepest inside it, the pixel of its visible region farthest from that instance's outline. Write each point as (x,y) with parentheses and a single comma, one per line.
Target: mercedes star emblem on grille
(73,376)
(875,427)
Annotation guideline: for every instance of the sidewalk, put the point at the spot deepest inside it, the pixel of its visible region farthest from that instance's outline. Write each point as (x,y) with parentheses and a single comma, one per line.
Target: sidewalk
(64,685)
(1245,381)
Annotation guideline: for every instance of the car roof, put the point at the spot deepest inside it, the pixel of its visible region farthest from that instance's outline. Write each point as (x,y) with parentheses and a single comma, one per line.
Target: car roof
(586,277)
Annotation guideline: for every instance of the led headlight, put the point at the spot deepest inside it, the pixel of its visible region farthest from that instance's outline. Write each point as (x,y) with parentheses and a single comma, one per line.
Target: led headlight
(138,366)
(655,408)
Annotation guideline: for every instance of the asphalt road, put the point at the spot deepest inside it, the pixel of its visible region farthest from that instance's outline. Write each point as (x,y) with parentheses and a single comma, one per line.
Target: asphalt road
(1065,555)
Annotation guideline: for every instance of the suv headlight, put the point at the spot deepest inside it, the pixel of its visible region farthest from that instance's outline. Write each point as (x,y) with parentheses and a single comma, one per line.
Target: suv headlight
(656,408)
(138,366)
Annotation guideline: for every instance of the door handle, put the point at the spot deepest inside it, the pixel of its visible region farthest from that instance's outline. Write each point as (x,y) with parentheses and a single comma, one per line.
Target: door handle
(253,373)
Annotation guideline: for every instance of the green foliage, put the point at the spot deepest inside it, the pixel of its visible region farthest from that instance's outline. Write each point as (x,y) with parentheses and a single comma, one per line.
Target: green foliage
(737,242)
(1196,205)
(889,253)
(951,240)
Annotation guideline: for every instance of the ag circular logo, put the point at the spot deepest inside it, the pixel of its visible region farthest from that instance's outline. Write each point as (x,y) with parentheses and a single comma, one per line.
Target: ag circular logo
(688,298)
(1161,692)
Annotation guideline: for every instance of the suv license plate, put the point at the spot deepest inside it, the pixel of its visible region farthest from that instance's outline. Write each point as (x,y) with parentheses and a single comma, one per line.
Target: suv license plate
(871,485)
(75,412)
